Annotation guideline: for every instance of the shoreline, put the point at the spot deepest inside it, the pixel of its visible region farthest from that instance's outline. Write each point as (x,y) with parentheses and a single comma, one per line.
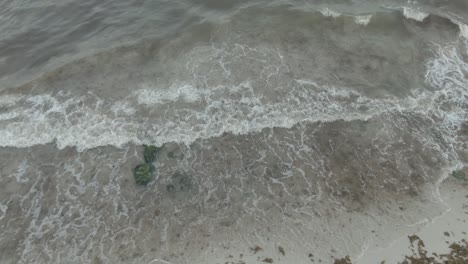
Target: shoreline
(438,234)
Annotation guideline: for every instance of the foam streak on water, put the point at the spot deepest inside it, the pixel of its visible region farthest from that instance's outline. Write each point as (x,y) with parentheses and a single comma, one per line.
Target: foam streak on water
(414,14)
(363,20)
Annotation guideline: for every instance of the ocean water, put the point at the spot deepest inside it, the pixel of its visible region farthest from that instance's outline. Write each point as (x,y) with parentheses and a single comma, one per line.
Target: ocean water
(322,127)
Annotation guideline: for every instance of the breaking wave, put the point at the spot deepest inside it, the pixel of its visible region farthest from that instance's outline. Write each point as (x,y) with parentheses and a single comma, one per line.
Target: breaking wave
(184,111)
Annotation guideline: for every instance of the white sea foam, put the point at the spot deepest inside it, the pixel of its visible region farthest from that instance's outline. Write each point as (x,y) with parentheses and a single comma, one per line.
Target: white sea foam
(414,14)
(329,13)
(463,30)
(461,26)
(44,118)
(123,108)
(160,95)
(70,123)
(21,171)
(447,72)
(185,111)
(3,209)
(362,20)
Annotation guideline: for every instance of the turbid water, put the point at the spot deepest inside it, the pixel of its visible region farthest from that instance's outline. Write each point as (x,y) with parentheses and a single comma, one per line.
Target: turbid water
(321,127)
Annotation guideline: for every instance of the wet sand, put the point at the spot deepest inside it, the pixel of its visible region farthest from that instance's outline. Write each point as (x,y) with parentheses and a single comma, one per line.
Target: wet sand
(437,233)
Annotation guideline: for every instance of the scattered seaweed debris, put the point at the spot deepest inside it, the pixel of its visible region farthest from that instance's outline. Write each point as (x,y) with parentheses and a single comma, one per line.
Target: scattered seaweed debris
(150,153)
(281,250)
(256,249)
(143,173)
(419,253)
(413,238)
(268,260)
(457,255)
(459,252)
(345,260)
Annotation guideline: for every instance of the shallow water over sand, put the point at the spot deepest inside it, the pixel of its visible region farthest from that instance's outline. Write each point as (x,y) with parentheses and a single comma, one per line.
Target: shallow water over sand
(320,129)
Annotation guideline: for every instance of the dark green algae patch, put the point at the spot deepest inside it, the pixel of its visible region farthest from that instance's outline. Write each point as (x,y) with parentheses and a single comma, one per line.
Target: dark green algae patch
(145,172)
(150,153)
(460,175)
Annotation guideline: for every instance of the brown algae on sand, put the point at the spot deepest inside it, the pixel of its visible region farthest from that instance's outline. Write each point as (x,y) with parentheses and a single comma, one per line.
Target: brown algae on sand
(256,249)
(281,250)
